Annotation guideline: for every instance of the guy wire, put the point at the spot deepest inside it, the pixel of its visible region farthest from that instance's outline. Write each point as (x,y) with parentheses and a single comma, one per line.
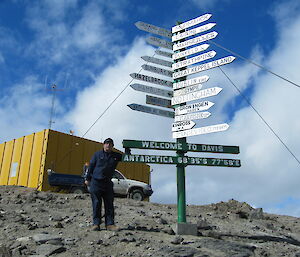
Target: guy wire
(246,99)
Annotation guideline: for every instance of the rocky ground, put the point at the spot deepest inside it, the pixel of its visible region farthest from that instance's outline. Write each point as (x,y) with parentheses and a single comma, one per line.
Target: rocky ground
(34,223)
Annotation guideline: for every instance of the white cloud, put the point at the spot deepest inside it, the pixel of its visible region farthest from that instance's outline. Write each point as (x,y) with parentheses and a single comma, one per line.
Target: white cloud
(24,109)
(58,40)
(92,30)
(94,100)
(206,4)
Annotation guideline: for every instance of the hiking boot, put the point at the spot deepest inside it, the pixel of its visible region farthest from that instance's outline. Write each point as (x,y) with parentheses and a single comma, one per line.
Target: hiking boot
(112,228)
(95,228)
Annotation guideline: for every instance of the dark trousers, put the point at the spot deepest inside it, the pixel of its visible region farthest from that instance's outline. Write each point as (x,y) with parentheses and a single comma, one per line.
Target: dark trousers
(102,190)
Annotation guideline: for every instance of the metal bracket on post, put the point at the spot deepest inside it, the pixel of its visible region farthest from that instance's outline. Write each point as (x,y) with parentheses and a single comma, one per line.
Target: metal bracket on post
(127,150)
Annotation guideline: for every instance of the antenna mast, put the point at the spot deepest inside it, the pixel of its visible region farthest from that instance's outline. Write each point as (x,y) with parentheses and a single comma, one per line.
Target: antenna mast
(53,89)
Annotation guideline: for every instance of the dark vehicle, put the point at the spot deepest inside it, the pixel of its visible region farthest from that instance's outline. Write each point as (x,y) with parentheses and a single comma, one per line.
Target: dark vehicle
(122,186)
(71,183)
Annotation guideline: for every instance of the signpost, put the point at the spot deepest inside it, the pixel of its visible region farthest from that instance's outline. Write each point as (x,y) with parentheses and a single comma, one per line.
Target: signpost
(158,101)
(196,59)
(196,95)
(153,29)
(195,107)
(157,70)
(201,130)
(159,159)
(183,125)
(159,42)
(203,67)
(184,90)
(193,32)
(193,116)
(174,146)
(190,23)
(153,80)
(151,110)
(194,41)
(163,53)
(190,82)
(190,51)
(152,90)
(187,90)
(157,61)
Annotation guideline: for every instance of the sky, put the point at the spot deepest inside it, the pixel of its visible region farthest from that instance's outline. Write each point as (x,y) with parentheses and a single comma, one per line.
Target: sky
(89,48)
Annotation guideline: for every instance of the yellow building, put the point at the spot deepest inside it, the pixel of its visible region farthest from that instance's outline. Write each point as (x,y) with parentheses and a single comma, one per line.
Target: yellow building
(25,161)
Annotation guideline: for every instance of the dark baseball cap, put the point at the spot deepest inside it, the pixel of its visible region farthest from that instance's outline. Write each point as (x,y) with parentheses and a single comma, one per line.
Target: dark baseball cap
(109,141)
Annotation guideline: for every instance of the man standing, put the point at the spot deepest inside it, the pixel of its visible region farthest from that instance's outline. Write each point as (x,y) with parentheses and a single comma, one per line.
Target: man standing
(98,178)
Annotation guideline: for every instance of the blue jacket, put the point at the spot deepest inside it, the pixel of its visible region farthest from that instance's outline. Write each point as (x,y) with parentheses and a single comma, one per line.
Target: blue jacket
(102,165)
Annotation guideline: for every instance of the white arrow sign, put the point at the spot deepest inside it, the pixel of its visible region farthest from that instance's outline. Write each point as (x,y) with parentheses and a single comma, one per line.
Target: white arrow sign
(191,82)
(158,101)
(157,61)
(151,79)
(151,110)
(163,53)
(153,29)
(200,131)
(193,116)
(159,42)
(157,70)
(152,90)
(190,51)
(187,90)
(195,107)
(196,59)
(195,40)
(193,32)
(192,22)
(196,95)
(183,125)
(203,67)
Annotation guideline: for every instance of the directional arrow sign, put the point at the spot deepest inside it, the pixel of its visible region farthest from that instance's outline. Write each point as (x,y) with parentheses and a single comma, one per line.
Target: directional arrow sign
(152,90)
(196,59)
(159,42)
(157,70)
(190,51)
(175,146)
(202,130)
(196,107)
(151,79)
(194,41)
(202,161)
(163,53)
(196,95)
(191,82)
(153,29)
(157,61)
(151,110)
(158,101)
(193,32)
(203,67)
(193,116)
(187,90)
(183,125)
(191,23)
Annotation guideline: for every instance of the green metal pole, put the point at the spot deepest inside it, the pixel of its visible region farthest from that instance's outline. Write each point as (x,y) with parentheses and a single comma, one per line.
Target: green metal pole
(181,201)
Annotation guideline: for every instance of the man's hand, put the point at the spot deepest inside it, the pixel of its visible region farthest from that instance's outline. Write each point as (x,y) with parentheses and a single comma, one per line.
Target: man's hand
(87,182)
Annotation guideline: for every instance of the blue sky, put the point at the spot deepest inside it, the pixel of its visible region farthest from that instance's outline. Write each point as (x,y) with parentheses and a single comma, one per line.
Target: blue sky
(89,48)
